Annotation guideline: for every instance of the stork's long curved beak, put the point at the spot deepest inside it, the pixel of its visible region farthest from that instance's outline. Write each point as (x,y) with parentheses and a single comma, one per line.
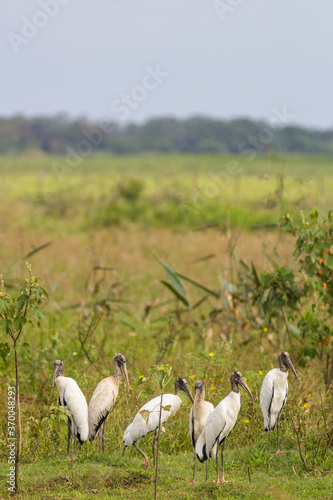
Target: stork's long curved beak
(55,374)
(188,393)
(243,384)
(124,373)
(291,368)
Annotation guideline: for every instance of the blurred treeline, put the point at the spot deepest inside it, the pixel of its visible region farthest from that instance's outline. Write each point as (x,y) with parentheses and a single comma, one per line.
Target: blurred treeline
(54,135)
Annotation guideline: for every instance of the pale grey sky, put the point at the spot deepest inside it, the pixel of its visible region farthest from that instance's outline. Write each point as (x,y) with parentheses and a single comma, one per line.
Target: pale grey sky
(131,60)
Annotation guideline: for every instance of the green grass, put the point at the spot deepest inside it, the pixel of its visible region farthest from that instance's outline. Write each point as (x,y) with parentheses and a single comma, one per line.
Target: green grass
(251,473)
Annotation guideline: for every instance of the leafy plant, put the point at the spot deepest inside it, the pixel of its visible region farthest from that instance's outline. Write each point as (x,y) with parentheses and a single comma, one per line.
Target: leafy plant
(15,313)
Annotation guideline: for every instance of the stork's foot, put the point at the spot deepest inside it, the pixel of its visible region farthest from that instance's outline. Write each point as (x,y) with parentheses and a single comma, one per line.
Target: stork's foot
(146,463)
(193,482)
(278,452)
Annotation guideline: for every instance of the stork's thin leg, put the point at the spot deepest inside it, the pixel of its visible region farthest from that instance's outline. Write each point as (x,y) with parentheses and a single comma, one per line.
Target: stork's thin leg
(69,432)
(195,457)
(206,469)
(103,435)
(269,433)
(278,434)
(155,434)
(222,458)
(217,467)
(146,462)
(74,437)
(99,439)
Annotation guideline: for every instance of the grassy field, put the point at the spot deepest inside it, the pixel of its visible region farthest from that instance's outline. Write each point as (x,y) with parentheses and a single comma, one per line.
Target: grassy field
(101,223)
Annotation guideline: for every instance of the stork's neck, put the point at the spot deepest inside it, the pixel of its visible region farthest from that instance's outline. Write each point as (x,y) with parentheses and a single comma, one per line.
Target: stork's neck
(201,396)
(117,371)
(234,386)
(282,366)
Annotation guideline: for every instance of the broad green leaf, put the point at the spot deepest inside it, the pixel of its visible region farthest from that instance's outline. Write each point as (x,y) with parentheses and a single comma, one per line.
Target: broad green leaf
(329,261)
(145,415)
(166,407)
(6,325)
(4,350)
(22,300)
(19,322)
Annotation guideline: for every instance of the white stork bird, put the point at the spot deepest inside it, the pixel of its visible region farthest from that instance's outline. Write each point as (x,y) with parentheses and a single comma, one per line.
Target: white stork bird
(104,398)
(273,395)
(221,422)
(200,411)
(142,426)
(71,397)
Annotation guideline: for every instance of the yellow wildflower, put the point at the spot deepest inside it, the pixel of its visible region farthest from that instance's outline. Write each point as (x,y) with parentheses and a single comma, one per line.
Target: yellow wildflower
(213,388)
(246,421)
(305,405)
(260,372)
(211,354)
(265,329)
(191,377)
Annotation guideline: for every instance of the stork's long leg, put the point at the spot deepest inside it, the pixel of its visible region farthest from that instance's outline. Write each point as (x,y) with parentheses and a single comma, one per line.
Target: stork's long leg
(217,466)
(278,433)
(222,458)
(69,432)
(269,432)
(146,462)
(74,437)
(206,468)
(103,435)
(195,457)
(99,439)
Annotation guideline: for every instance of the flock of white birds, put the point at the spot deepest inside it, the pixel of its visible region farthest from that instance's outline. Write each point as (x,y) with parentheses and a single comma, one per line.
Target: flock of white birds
(209,427)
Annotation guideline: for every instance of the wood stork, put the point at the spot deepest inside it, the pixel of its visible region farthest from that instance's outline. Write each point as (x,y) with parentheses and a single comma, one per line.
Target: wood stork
(147,418)
(200,411)
(71,397)
(273,395)
(104,398)
(221,422)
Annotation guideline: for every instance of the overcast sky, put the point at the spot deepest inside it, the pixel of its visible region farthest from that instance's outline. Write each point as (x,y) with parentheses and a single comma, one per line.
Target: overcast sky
(130,60)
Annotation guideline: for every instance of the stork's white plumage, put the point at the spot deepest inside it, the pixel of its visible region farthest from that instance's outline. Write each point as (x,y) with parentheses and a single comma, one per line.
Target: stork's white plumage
(199,414)
(104,398)
(147,418)
(221,422)
(273,395)
(71,397)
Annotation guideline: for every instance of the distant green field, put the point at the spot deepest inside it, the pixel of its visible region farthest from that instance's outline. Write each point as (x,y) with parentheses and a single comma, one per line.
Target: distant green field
(166,190)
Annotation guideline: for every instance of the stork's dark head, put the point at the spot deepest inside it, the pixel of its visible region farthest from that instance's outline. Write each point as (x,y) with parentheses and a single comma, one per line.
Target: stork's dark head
(58,370)
(199,390)
(237,379)
(285,363)
(119,362)
(181,385)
